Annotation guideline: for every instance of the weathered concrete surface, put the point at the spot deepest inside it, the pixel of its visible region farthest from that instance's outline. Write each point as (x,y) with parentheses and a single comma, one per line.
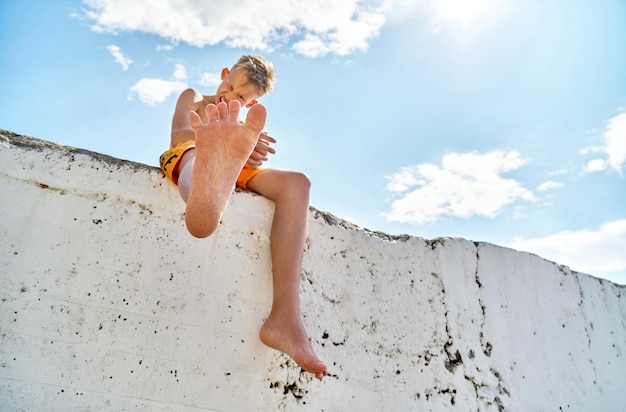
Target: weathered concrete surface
(108,304)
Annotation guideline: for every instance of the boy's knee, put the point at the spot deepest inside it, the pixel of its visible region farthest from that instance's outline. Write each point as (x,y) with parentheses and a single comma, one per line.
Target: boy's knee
(300,180)
(292,186)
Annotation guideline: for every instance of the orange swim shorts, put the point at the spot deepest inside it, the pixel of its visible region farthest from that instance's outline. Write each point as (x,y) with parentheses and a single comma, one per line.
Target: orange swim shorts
(170,158)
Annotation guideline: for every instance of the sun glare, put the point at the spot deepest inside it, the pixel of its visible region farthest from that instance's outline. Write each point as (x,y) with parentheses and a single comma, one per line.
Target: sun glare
(465,15)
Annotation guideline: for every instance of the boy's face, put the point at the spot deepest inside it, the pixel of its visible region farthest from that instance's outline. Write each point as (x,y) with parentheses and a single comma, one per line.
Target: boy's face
(235,86)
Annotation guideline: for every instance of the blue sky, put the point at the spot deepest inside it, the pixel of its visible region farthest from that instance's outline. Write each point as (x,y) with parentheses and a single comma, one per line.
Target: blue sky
(496,121)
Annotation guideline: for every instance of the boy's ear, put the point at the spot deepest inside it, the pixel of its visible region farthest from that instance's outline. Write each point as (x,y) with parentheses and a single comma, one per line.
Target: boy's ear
(224,73)
(252,103)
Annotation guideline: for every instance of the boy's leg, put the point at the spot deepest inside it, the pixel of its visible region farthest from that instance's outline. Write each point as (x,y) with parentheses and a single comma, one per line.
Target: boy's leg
(283,330)
(184,173)
(223,146)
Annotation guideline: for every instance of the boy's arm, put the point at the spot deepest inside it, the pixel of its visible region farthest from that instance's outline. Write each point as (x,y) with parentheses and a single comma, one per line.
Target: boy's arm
(190,100)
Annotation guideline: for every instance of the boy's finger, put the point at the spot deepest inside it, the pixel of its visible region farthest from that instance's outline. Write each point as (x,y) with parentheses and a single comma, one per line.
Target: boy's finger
(266,137)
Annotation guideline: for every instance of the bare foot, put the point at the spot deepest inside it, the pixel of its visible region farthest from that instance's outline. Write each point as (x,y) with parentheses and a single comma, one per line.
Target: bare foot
(223,146)
(291,338)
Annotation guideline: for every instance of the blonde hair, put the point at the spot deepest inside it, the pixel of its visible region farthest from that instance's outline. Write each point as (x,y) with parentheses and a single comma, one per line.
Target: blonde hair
(260,72)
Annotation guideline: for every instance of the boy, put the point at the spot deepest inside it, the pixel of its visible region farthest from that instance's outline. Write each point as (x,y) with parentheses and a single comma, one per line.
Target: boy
(210,152)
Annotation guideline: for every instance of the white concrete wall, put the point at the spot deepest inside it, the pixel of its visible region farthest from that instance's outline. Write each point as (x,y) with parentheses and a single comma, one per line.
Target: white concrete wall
(108,304)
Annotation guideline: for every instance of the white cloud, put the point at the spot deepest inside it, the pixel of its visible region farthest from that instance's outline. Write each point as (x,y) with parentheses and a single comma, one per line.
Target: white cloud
(615,142)
(558,172)
(403,10)
(210,79)
(549,185)
(596,165)
(154,91)
(179,72)
(164,47)
(614,147)
(463,186)
(317,28)
(590,251)
(116,52)
(350,35)
(590,150)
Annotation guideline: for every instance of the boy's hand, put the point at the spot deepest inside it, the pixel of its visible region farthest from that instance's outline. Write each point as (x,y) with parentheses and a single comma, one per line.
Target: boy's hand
(259,154)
